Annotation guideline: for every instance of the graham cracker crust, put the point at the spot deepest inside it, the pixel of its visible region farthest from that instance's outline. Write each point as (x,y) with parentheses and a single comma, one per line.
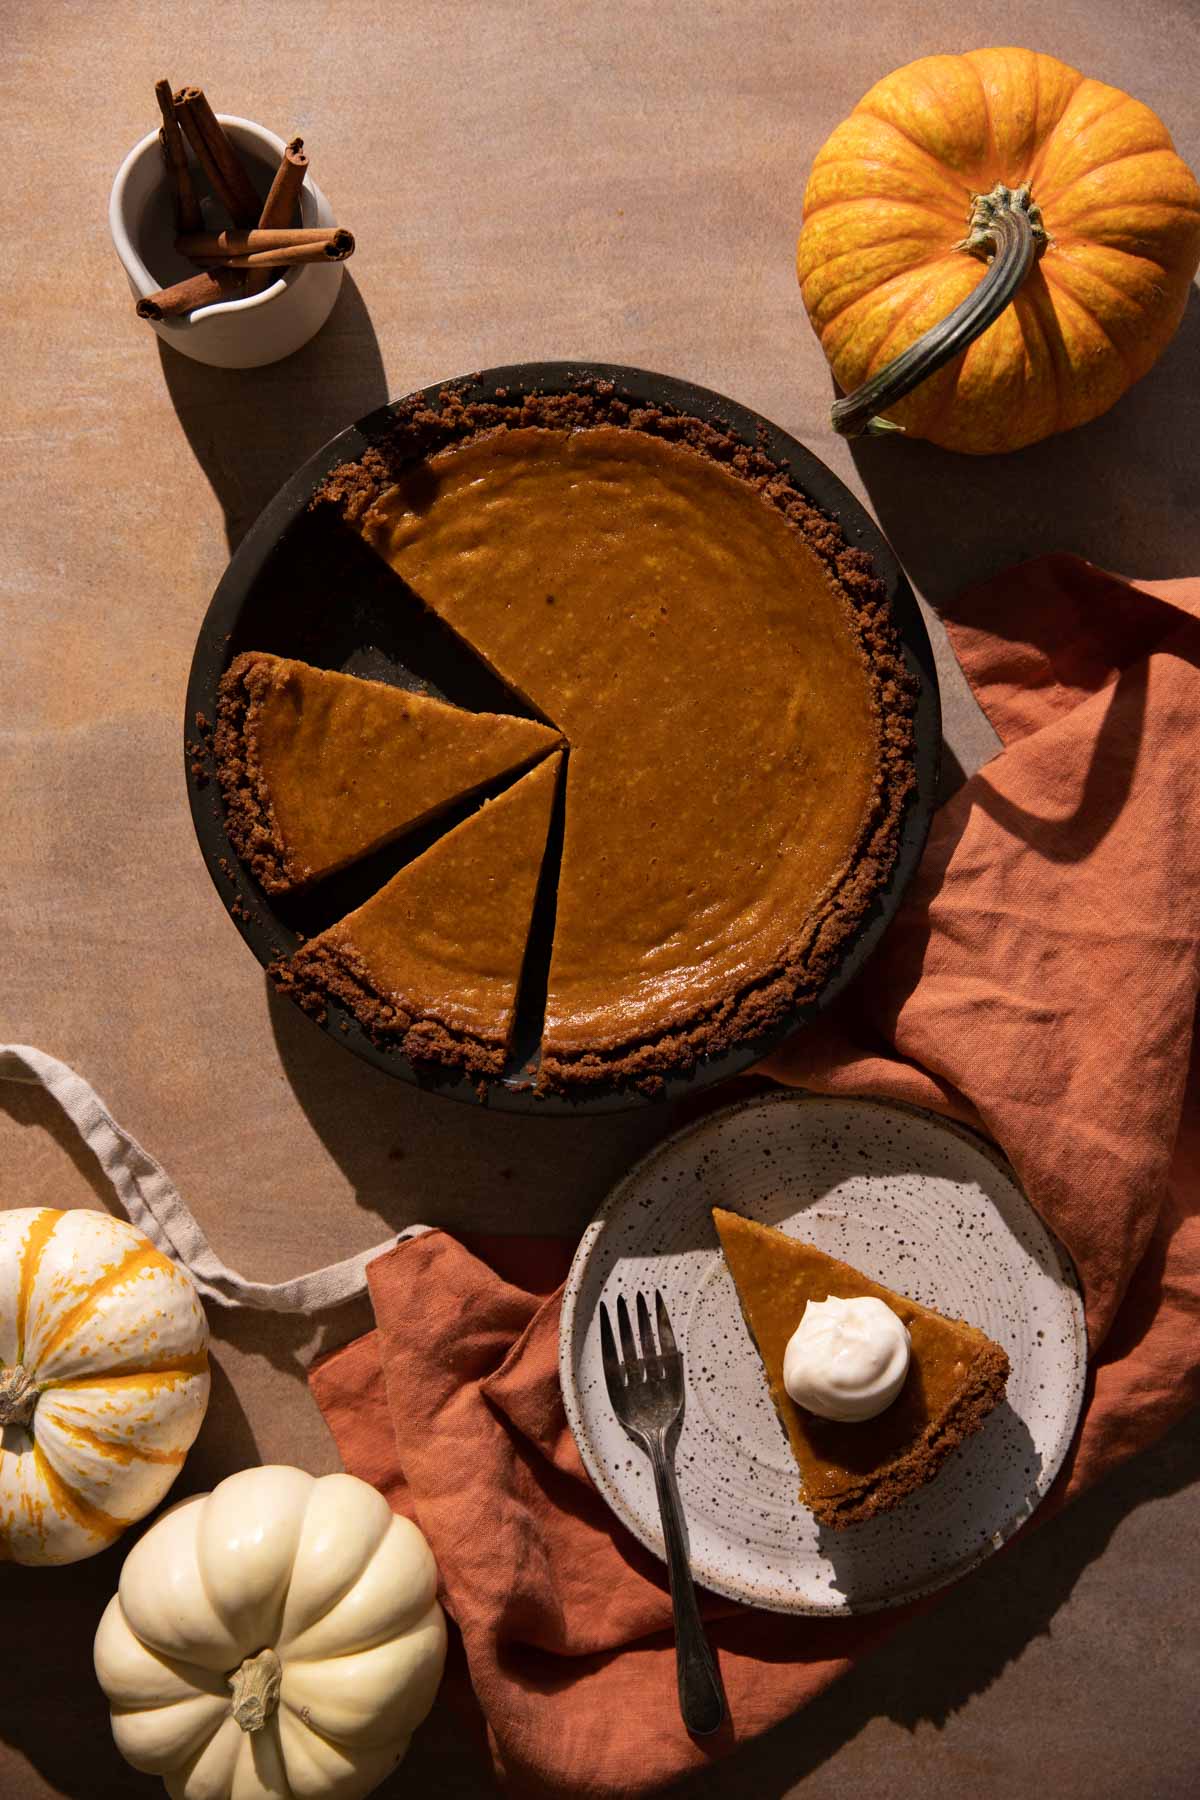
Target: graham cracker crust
(249,816)
(878,1493)
(318,972)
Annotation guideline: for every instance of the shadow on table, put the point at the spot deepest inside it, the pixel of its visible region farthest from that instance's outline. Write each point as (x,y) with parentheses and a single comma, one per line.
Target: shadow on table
(1120,491)
(951,774)
(252,428)
(412,1154)
(33,1109)
(935,1663)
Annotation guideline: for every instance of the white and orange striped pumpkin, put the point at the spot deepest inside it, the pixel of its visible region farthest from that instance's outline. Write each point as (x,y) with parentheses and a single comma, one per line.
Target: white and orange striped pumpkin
(103,1380)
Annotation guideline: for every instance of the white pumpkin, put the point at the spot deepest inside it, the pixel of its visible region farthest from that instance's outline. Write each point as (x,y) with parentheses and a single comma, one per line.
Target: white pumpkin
(103,1380)
(278,1637)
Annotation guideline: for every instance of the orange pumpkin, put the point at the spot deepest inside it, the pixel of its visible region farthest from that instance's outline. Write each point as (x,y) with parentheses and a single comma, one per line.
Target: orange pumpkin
(1046,213)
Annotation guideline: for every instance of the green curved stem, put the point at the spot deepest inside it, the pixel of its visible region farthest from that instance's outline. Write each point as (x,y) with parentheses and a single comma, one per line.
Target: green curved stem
(1007,222)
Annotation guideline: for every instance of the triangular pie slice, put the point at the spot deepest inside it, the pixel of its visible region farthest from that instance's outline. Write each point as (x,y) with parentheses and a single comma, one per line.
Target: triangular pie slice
(854,1471)
(432,962)
(318,769)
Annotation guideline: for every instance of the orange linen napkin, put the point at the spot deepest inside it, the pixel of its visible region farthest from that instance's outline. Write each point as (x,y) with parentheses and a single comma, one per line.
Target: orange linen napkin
(1040,981)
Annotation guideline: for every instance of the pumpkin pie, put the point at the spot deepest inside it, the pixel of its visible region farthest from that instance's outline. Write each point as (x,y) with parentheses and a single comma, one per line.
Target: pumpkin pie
(724,670)
(432,962)
(956,1376)
(318,769)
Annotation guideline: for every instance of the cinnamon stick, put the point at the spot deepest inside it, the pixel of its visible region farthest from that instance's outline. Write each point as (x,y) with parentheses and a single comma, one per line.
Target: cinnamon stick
(187,207)
(280,205)
(210,244)
(217,156)
(185,296)
(336,249)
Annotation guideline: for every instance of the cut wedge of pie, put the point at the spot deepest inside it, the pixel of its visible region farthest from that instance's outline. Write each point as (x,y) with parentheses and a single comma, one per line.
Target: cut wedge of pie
(319,768)
(432,962)
(854,1471)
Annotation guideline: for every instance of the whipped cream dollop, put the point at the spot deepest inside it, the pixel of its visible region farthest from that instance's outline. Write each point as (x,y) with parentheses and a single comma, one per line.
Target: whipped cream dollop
(846,1359)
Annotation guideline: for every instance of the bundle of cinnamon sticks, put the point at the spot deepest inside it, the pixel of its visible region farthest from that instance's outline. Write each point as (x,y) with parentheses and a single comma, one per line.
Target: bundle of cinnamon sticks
(242,260)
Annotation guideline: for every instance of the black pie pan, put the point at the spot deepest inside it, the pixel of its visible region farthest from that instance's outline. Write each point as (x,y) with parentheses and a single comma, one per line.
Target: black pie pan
(301,584)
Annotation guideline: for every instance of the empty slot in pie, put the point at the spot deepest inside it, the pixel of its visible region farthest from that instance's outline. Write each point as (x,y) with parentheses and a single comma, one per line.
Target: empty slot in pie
(526,1048)
(324,598)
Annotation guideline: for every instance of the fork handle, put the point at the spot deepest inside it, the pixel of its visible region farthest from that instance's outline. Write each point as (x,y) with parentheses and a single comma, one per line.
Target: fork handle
(701,1700)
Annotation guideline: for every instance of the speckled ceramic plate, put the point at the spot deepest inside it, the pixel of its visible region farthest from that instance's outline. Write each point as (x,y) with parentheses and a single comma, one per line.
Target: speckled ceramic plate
(911,1200)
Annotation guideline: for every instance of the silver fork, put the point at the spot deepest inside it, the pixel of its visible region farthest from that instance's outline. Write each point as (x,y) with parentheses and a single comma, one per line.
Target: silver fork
(647,1396)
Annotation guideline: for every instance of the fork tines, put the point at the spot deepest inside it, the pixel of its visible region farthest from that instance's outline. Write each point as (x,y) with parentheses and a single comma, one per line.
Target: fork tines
(629,1364)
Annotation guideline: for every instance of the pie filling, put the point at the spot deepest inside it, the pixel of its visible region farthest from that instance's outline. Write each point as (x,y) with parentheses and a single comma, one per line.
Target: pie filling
(725,674)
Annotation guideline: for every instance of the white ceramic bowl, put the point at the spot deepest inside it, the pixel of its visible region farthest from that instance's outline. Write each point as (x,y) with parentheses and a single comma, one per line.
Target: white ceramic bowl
(232,334)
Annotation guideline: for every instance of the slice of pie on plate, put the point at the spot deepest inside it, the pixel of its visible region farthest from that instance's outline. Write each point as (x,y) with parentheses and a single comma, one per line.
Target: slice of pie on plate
(319,769)
(854,1471)
(432,962)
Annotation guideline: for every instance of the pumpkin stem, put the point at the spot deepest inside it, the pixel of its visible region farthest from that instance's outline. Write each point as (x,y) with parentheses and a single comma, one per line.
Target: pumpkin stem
(1005,222)
(255,1689)
(18,1396)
